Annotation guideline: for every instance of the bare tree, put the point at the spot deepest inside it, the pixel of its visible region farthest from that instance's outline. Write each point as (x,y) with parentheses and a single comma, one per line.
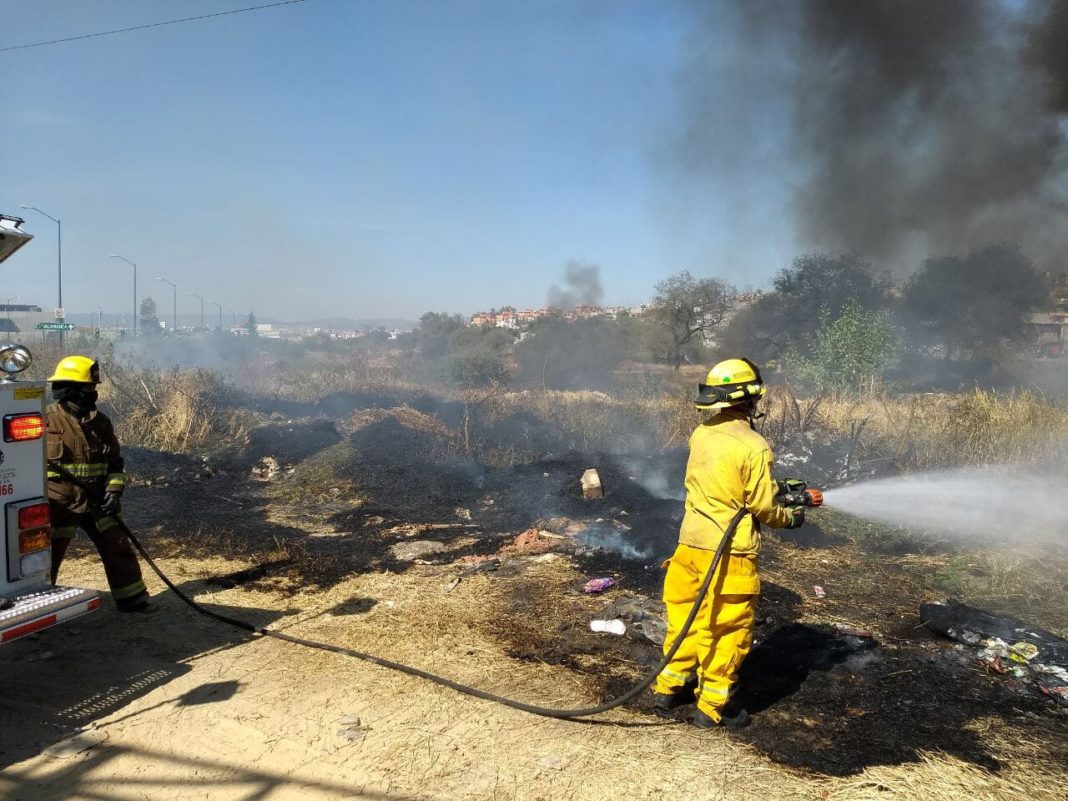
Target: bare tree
(691,309)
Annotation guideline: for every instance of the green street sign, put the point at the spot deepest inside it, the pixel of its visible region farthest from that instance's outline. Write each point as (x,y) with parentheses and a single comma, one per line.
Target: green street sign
(55,326)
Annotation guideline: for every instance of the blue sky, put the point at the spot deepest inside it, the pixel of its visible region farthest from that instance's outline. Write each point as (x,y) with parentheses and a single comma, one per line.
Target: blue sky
(368,158)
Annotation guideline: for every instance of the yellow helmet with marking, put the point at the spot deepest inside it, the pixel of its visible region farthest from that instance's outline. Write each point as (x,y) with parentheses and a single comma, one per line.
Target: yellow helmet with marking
(79,369)
(730,383)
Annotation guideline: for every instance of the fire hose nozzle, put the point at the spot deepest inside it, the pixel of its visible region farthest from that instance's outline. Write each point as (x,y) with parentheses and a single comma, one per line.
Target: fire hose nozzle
(795,493)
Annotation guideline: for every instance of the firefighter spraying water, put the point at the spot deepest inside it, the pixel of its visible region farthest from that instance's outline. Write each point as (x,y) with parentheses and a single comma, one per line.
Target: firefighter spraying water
(728,477)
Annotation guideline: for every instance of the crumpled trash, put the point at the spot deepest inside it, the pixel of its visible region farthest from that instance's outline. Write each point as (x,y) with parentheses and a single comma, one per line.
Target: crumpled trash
(351,728)
(598,584)
(1007,646)
(616,626)
(480,566)
(645,617)
(819,591)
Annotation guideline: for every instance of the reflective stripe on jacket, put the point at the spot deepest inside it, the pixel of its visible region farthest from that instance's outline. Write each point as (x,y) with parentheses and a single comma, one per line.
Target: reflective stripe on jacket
(729,466)
(86,448)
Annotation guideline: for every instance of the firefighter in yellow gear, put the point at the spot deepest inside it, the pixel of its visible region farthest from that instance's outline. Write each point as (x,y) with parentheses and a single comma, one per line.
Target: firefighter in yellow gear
(81,442)
(729,468)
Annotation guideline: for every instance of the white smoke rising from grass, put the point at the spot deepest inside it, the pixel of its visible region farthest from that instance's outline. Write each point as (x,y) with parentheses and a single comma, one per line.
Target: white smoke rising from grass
(1005,502)
(599,538)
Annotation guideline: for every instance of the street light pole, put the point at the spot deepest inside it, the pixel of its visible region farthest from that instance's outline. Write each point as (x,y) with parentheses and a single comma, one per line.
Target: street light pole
(174,312)
(8,304)
(115,256)
(195,295)
(213,303)
(59,255)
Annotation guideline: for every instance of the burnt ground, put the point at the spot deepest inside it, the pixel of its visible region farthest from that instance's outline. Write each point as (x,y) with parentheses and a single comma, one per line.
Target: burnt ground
(835,684)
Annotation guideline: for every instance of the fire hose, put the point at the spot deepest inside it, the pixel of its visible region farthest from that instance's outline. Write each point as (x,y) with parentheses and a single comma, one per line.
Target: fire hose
(548,712)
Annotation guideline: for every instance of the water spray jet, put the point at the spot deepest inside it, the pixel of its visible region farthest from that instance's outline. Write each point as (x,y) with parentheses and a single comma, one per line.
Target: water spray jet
(1016,502)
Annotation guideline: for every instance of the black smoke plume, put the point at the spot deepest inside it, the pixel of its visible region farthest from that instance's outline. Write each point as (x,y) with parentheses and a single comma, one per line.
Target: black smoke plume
(914,127)
(581,287)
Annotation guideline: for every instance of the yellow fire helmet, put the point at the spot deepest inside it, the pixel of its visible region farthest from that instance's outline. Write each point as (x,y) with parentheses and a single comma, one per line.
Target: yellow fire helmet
(730,383)
(79,369)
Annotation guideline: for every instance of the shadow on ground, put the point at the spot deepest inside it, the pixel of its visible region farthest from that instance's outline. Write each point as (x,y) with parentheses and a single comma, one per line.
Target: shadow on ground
(837,703)
(201,778)
(66,677)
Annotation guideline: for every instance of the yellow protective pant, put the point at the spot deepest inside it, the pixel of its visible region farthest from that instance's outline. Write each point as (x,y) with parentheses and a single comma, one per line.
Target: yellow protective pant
(721,634)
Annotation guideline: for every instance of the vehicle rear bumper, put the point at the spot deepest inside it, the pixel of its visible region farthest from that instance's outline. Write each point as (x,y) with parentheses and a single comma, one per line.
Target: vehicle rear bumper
(39,610)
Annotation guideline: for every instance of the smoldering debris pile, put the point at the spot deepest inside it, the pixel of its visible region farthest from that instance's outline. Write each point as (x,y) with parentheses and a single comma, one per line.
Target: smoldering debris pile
(1007,647)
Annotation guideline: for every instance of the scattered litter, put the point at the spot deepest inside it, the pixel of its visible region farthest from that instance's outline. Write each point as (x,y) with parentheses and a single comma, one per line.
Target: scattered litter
(616,626)
(549,535)
(645,617)
(351,728)
(1035,655)
(819,591)
(591,484)
(72,746)
(482,566)
(40,657)
(463,514)
(267,469)
(552,762)
(530,541)
(453,584)
(598,585)
(1024,650)
(416,549)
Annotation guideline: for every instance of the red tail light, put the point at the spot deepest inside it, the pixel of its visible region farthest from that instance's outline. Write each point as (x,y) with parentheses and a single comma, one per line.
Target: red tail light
(22,427)
(35,516)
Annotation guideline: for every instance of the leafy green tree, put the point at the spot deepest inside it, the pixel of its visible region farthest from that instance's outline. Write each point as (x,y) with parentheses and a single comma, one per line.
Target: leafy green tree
(479,357)
(434,332)
(561,354)
(149,318)
(690,310)
(814,286)
(848,352)
(971,306)
(376,338)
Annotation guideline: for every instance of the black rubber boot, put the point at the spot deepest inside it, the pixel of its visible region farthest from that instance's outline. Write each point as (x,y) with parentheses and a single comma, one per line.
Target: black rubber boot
(730,719)
(139,607)
(665,703)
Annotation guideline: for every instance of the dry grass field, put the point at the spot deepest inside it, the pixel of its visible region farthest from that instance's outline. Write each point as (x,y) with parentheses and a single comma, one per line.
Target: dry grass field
(292,509)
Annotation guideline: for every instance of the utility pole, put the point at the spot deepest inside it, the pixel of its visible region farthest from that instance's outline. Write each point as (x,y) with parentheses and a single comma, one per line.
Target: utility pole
(213,303)
(59,257)
(195,295)
(174,311)
(115,256)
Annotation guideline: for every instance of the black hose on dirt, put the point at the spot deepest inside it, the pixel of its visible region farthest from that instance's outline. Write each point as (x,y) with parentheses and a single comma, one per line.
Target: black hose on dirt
(547,712)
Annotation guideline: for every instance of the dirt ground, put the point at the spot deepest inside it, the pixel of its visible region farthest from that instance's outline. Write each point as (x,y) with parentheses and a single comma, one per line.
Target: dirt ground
(852,699)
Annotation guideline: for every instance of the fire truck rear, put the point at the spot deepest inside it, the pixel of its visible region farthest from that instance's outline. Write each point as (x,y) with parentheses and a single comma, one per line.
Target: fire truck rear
(28,600)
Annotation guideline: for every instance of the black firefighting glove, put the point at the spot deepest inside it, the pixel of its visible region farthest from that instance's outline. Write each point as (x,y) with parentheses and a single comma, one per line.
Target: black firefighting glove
(798,519)
(791,485)
(112,503)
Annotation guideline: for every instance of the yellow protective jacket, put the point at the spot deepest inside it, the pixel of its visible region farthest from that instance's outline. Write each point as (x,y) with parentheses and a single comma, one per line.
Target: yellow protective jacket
(730,467)
(89,450)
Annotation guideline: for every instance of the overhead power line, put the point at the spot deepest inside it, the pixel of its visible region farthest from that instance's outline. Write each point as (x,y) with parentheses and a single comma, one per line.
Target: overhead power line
(152,25)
